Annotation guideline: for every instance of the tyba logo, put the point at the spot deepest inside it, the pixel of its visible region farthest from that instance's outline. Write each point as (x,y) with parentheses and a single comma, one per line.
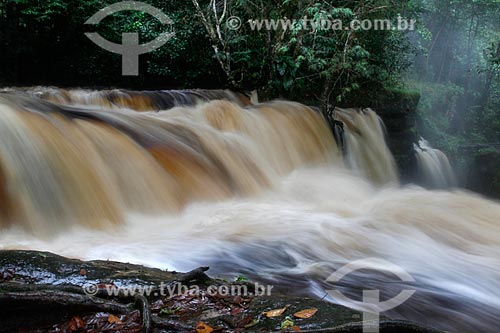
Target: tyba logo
(130,49)
(371,304)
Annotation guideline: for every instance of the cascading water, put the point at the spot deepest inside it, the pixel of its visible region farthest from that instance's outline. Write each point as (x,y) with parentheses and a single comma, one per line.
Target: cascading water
(68,165)
(434,167)
(367,151)
(260,190)
(138,101)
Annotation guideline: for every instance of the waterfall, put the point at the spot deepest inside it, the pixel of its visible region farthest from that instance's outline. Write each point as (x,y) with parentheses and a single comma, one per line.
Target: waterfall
(66,165)
(367,151)
(434,167)
(260,190)
(134,100)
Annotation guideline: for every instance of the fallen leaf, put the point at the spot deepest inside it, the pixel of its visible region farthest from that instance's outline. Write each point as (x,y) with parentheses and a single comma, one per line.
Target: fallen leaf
(76,324)
(114,320)
(304,314)
(287,323)
(296,328)
(252,323)
(203,328)
(275,313)
(236,311)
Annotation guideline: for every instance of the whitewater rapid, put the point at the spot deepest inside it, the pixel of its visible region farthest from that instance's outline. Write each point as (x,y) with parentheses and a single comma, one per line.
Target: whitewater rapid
(260,190)
(313,222)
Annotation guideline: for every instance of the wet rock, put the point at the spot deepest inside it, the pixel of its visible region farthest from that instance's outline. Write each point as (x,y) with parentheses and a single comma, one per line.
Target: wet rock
(484,174)
(46,277)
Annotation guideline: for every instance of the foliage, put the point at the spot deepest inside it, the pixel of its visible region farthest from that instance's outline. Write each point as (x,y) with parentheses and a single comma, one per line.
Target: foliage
(315,65)
(43,42)
(318,64)
(457,74)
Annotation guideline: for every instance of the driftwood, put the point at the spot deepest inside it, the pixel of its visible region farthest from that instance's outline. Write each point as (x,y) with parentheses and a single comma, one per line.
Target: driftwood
(197,275)
(142,303)
(62,298)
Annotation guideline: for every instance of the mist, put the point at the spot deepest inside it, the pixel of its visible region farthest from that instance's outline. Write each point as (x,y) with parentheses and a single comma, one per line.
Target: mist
(456,72)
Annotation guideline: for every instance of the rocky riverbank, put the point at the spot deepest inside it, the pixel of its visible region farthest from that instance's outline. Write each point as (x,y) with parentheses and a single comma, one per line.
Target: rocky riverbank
(43,292)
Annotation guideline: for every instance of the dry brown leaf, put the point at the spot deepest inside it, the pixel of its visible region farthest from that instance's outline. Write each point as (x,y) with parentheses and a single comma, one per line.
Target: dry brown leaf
(203,328)
(296,329)
(304,314)
(76,323)
(114,320)
(275,312)
(236,311)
